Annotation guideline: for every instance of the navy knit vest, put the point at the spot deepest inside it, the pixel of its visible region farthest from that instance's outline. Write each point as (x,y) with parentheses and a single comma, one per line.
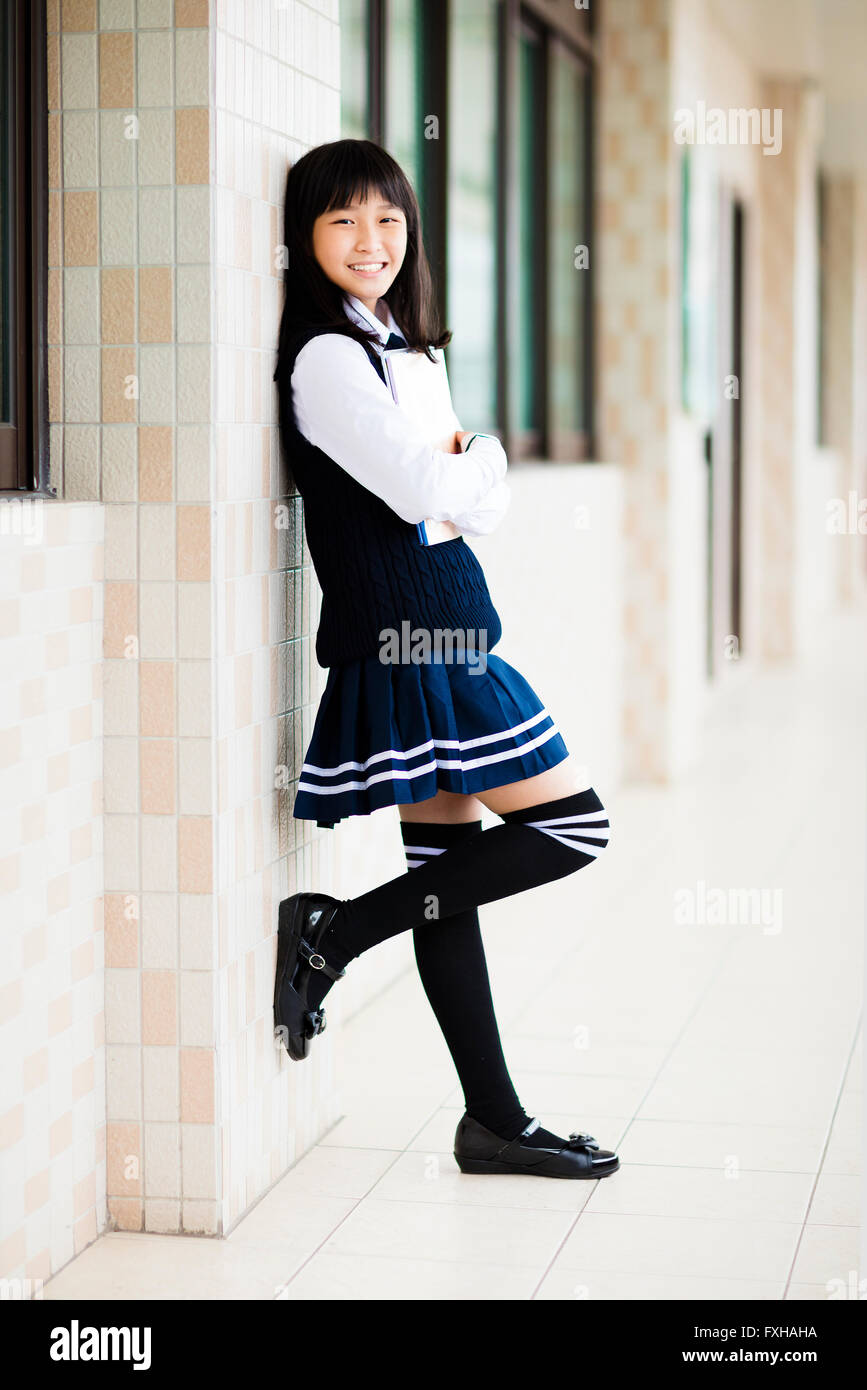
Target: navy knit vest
(373,570)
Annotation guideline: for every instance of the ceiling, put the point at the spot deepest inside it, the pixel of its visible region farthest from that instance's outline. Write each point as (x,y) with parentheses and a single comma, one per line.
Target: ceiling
(823,40)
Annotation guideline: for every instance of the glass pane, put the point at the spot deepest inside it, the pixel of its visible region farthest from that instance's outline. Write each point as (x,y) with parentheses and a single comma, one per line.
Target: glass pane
(472,210)
(354,97)
(403,117)
(568,240)
(528,411)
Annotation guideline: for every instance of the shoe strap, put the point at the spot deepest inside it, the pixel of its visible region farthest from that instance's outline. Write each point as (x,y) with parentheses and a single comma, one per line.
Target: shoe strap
(317,961)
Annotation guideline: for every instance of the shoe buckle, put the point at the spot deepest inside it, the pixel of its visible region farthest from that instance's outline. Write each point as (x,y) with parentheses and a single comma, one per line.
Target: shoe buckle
(316,960)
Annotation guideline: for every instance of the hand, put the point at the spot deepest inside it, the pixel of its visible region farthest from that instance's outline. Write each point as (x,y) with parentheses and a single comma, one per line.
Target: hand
(459,436)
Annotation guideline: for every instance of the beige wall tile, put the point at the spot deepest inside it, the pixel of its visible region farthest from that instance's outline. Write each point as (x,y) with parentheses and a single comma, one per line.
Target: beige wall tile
(117,302)
(162,1215)
(192,145)
(121,931)
(159,930)
(157,683)
(159,853)
(116,72)
(162,1160)
(158,773)
(157,540)
(194,543)
(78,70)
(120,696)
(191,14)
(155,304)
(126,1213)
(78,15)
(161,1066)
(156,68)
(159,1007)
(195,854)
(197,1085)
(194,776)
(123,1159)
(117,224)
(81,149)
(121,622)
(80,228)
(118,369)
(156,147)
(155,443)
(119,463)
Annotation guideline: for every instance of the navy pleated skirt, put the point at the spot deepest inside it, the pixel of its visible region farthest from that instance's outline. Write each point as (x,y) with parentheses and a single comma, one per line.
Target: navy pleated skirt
(389,733)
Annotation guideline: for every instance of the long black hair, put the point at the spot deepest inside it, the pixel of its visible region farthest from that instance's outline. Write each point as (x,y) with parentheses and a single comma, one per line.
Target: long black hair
(332,176)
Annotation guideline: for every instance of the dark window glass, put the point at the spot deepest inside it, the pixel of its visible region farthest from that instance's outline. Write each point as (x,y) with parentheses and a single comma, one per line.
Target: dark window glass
(404,119)
(529,271)
(472,212)
(354,95)
(568,252)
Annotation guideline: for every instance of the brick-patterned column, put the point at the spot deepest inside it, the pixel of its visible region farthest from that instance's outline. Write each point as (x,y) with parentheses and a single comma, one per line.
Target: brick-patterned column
(171,127)
(636,321)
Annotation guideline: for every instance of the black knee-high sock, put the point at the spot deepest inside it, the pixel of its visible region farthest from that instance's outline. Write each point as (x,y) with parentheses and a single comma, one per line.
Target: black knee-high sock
(450,956)
(535,845)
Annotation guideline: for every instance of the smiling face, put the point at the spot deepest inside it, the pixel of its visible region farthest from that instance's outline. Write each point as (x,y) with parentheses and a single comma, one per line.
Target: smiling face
(361,247)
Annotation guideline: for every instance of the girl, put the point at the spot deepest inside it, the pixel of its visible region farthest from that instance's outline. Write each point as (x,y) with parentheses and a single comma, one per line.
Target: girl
(442,739)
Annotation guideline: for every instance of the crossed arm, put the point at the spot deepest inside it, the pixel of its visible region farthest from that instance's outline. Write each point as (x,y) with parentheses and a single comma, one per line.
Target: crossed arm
(343,408)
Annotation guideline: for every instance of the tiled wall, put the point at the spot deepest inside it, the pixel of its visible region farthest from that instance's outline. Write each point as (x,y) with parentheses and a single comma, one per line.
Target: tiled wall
(52,1080)
(276,91)
(170,134)
(131,198)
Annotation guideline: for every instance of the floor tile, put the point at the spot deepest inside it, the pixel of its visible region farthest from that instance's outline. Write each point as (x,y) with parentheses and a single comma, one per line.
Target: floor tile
(680,1246)
(371,1277)
(466,1234)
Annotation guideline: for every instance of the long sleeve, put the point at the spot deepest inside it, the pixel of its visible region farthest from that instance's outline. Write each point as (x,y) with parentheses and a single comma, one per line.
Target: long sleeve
(343,408)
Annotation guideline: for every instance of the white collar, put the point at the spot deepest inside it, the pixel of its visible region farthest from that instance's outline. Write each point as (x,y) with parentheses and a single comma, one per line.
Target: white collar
(365,319)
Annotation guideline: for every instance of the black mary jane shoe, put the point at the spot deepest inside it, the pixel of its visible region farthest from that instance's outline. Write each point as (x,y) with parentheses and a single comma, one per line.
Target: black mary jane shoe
(302,921)
(479,1150)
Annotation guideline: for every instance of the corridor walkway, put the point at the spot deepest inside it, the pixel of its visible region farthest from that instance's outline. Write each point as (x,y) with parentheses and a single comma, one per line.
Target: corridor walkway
(692,1000)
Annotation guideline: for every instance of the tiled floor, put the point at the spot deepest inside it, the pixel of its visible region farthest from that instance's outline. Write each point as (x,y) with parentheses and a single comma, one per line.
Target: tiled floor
(721,1058)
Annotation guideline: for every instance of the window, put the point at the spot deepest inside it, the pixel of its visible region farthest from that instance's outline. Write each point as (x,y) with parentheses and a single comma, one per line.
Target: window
(354,75)
(23,249)
(486,104)
(529,342)
(472,231)
(569,258)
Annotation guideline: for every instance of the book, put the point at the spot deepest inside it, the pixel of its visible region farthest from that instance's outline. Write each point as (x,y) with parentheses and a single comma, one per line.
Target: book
(421,388)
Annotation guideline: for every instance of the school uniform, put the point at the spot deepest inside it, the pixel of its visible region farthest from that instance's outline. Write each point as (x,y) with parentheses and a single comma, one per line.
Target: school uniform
(390,729)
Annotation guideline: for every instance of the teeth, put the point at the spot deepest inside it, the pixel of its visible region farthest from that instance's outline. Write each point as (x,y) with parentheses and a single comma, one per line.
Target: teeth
(372,265)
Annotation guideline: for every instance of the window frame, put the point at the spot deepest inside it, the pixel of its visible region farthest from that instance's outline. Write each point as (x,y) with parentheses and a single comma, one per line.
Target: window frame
(24,452)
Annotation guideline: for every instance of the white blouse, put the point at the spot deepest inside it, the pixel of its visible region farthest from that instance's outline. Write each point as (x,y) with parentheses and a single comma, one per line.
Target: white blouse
(345,409)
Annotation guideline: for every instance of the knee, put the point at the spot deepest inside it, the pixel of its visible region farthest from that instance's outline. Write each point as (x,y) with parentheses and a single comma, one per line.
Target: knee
(579,823)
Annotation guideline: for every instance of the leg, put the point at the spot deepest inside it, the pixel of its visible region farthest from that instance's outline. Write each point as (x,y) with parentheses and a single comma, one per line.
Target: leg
(450,956)
(537,844)
(566,779)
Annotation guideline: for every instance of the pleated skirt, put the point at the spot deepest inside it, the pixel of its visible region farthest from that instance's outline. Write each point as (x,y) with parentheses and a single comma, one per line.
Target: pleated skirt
(388,733)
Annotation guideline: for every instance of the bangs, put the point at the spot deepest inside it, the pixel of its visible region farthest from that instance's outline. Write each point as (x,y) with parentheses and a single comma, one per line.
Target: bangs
(359,174)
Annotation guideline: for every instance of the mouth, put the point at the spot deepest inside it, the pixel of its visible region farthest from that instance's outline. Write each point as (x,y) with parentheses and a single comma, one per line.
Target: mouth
(368,269)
